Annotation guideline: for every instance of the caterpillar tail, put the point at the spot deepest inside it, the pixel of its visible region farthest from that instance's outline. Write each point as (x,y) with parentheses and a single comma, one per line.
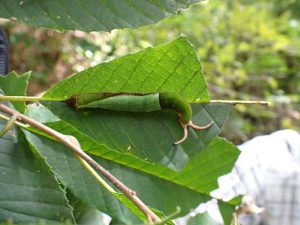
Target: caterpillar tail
(192,125)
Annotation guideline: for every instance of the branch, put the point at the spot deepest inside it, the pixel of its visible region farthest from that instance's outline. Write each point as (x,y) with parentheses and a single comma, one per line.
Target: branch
(37,99)
(152,217)
(240,102)
(20,98)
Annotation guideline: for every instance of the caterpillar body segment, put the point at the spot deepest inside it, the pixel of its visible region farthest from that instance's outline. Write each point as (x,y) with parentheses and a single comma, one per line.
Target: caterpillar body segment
(127,103)
(137,102)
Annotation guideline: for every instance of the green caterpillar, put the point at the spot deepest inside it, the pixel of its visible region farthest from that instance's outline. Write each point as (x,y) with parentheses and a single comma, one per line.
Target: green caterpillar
(135,102)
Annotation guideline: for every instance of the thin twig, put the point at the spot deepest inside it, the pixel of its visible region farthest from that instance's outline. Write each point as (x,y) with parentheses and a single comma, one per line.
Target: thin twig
(89,168)
(21,98)
(240,102)
(37,99)
(15,122)
(152,217)
(234,102)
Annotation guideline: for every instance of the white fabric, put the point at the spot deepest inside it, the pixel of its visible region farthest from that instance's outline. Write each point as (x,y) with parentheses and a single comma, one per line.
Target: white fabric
(268,169)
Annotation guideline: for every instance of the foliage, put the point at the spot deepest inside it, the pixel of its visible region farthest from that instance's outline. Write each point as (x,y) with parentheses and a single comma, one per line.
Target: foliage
(146,161)
(248,49)
(30,191)
(247,52)
(171,67)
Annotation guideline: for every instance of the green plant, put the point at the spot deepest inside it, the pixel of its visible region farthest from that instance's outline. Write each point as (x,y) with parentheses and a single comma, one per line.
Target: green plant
(117,166)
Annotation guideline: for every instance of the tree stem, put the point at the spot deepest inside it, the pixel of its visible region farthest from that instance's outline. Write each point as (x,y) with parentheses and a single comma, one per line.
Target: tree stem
(152,217)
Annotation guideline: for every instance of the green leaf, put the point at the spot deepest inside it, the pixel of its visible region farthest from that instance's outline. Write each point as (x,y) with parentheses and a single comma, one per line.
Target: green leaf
(29,192)
(39,113)
(203,218)
(75,177)
(91,15)
(85,215)
(149,136)
(222,154)
(226,211)
(92,217)
(170,67)
(186,189)
(236,200)
(15,85)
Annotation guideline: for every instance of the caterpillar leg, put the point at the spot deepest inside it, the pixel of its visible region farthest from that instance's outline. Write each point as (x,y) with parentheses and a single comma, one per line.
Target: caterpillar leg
(185,131)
